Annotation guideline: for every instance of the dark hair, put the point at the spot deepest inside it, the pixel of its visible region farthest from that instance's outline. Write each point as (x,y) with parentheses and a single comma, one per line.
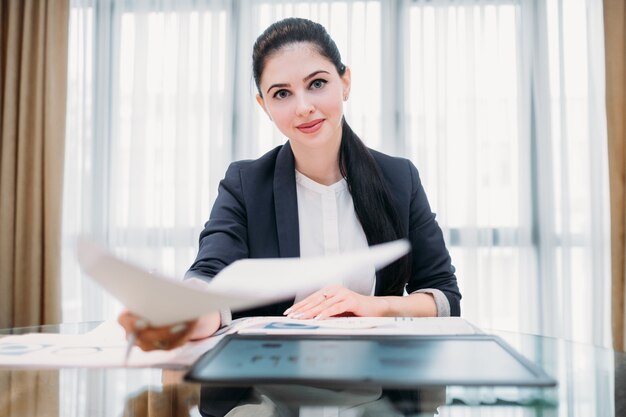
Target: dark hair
(371,196)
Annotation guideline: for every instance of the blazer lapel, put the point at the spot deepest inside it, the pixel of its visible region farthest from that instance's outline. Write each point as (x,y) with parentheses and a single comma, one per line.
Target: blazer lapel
(286,204)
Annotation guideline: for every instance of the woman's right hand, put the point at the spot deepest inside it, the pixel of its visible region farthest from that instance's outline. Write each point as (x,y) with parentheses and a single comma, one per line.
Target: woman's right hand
(153,338)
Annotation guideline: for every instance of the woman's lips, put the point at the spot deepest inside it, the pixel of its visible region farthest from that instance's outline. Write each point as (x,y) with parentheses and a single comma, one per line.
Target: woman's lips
(311,127)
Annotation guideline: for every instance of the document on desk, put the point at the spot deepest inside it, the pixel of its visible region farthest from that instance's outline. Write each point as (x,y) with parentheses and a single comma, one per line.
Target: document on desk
(377,326)
(103,347)
(244,284)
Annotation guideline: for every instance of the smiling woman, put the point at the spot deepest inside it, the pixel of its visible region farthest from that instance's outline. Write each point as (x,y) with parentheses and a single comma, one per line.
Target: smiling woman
(302,93)
(323,192)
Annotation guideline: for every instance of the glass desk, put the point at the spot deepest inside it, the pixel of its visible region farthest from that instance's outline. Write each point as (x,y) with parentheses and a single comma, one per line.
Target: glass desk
(591,382)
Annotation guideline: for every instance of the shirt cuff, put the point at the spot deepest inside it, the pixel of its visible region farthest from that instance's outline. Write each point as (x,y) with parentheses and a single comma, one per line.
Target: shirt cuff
(441,301)
(226,315)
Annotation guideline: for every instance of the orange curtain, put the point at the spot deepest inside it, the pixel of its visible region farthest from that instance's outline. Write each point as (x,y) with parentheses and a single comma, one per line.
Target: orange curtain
(615,52)
(33,79)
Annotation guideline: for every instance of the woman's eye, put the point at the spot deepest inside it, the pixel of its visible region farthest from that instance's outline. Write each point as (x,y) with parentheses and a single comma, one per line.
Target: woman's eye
(319,83)
(281,94)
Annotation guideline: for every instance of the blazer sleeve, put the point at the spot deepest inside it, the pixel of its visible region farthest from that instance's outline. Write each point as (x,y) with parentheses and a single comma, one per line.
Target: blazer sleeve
(431,264)
(225,236)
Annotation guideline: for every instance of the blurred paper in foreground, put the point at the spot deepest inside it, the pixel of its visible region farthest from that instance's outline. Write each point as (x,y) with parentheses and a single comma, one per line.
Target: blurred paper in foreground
(243,284)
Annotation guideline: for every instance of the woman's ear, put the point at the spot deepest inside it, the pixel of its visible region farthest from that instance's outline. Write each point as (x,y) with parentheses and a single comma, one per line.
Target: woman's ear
(261,102)
(346,79)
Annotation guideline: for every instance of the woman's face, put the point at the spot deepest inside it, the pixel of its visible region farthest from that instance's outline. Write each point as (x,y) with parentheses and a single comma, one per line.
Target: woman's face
(303,95)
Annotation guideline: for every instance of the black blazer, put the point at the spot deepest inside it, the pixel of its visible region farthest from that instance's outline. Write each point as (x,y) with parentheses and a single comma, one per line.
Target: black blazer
(255,215)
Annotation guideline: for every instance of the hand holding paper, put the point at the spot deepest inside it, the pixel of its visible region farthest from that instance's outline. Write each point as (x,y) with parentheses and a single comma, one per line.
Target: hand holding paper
(244,284)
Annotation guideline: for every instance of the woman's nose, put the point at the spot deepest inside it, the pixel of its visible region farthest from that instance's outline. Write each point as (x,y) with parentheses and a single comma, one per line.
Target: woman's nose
(304,106)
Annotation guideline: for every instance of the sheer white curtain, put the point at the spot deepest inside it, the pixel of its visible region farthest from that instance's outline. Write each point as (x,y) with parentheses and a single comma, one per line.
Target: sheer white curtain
(148,133)
(462,120)
(503,116)
(498,102)
(161,99)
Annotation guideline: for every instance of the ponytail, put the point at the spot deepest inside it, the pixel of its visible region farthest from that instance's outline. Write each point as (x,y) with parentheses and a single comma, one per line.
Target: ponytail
(373,206)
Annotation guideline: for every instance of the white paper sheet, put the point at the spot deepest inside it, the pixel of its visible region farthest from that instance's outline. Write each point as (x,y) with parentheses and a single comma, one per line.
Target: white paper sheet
(243,284)
(380,326)
(103,347)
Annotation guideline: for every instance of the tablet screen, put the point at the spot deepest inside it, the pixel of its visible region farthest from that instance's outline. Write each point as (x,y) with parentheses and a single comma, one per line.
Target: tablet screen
(395,361)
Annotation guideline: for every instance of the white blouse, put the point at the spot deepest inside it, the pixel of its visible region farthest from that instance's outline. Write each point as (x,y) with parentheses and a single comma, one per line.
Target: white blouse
(329,225)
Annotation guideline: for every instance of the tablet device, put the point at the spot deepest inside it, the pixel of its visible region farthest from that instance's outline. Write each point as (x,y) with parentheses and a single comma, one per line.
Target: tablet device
(385,361)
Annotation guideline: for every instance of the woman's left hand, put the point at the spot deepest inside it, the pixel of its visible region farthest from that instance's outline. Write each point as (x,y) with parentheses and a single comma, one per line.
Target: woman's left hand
(336,300)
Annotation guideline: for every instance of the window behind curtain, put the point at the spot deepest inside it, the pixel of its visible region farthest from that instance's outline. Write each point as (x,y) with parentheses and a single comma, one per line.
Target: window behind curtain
(494,101)
(500,114)
(149,134)
(161,99)
(462,116)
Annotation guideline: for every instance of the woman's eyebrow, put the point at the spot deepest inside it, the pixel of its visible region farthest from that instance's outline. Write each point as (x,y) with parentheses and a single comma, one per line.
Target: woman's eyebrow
(313,74)
(305,79)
